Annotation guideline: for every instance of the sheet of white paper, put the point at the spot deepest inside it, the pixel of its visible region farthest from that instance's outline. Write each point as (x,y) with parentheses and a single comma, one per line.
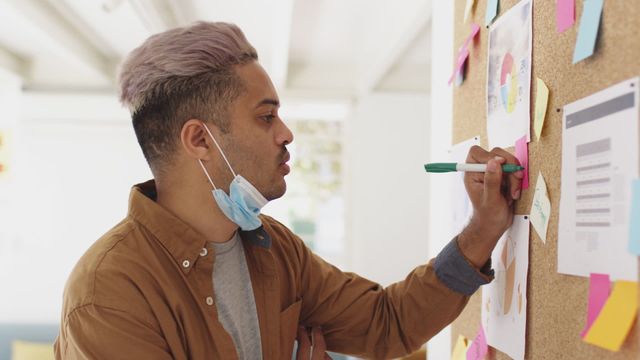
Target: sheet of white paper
(599,162)
(509,76)
(461,205)
(540,209)
(504,300)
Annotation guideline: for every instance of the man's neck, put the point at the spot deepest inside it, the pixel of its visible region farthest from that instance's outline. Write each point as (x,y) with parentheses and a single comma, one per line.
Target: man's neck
(195,205)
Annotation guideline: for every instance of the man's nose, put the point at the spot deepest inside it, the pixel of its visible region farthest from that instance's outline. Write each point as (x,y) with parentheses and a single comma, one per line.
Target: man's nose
(285,136)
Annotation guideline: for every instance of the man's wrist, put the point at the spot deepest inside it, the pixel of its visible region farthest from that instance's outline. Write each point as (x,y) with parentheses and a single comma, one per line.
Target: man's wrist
(477,241)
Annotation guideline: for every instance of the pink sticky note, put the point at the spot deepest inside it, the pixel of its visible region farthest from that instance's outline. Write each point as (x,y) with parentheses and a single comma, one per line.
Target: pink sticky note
(522,154)
(462,57)
(565,14)
(475,29)
(599,289)
(463,53)
(478,349)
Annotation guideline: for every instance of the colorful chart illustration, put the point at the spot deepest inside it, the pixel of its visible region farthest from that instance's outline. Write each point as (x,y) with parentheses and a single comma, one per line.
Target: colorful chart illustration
(506,274)
(504,300)
(509,76)
(508,83)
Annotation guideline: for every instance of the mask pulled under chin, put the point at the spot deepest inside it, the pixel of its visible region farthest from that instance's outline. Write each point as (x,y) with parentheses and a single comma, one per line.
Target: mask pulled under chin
(244,202)
(242,205)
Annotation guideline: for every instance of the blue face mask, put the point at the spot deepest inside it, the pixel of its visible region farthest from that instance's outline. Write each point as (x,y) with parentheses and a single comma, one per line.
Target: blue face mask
(244,202)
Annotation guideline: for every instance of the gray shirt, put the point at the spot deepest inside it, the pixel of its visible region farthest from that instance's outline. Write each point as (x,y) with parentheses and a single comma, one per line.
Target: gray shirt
(235,302)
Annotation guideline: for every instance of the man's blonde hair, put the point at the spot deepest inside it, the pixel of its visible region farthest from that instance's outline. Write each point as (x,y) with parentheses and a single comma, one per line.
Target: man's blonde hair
(181,74)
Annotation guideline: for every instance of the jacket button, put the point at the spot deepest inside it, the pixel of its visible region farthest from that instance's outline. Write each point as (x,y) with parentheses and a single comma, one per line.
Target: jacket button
(204,252)
(186,263)
(209,300)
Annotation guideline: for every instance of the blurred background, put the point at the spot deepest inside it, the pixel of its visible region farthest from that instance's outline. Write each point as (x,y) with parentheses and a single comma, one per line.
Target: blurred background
(363,86)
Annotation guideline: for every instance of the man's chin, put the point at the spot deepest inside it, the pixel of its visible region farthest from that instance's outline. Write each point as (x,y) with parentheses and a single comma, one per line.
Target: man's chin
(277,192)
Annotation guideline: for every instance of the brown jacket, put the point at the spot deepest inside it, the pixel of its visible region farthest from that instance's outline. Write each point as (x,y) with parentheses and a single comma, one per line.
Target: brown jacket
(144,291)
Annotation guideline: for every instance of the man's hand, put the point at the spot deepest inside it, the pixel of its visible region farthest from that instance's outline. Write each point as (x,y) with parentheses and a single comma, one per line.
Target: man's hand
(311,346)
(492,195)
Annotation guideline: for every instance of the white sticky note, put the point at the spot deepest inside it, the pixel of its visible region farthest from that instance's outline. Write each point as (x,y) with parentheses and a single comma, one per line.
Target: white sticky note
(468,8)
(540,209)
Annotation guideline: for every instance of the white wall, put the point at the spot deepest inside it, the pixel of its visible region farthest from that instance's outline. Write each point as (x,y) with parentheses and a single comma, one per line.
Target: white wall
(72,180)
(386,193)
(440,141)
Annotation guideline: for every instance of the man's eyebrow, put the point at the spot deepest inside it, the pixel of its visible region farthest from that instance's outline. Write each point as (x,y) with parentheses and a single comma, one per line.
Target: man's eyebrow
(273,102)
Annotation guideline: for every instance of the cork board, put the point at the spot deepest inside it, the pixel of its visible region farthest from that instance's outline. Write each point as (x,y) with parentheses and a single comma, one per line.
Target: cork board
(556,303)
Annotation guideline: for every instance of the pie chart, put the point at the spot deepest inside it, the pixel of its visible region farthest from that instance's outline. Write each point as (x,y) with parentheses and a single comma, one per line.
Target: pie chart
(508,83)
(508,259)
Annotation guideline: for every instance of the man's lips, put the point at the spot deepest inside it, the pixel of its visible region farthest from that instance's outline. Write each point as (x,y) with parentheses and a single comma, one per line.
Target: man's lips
(286,158)
(283,165)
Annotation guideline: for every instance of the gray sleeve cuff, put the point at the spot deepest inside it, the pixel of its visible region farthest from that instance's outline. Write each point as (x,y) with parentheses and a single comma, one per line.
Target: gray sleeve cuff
(457,273)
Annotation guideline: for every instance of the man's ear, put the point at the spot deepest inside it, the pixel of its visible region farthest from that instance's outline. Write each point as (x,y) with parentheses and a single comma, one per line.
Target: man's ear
(195,140)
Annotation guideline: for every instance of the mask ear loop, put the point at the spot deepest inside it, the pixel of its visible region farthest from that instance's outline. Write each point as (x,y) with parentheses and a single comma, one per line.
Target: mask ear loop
(219,149)
(207,173)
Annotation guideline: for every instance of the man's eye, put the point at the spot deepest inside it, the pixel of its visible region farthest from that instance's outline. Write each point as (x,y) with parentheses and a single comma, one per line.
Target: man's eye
(268,118)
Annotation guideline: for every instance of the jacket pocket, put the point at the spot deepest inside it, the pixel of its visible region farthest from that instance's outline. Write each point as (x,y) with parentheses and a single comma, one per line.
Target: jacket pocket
(289,328)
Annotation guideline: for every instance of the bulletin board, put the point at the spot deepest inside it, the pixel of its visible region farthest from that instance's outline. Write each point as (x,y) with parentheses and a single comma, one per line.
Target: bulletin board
(557,303)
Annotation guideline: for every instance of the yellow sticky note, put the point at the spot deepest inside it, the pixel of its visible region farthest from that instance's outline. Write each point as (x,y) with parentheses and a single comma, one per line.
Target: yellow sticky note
(460,350)
(542,97)
(25,350)
(617,316)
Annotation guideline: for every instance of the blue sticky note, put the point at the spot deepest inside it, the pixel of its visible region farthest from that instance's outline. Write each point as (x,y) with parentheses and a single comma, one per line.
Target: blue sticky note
(634,219)
(588,30)
(492,11)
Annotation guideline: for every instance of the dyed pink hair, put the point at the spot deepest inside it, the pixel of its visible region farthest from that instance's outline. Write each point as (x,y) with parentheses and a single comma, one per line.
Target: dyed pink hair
(181,74)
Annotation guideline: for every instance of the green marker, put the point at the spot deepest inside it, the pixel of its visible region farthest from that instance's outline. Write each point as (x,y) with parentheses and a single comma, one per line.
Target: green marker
(452,167)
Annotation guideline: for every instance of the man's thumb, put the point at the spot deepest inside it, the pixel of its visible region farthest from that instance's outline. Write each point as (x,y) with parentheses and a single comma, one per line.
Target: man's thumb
(492,181)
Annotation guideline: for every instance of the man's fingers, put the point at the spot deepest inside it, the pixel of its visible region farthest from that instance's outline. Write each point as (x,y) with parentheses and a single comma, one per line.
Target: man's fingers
(515,185)
(493,180)
(319,346)
(474,180)
(508,157)
(304,344)
(478,155)
(514,179)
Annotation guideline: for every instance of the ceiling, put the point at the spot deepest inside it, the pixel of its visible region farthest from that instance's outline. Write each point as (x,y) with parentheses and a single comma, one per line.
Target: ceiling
(320,48)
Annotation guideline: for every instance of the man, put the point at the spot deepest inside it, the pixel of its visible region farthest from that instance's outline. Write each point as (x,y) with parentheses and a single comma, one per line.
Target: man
(195,272)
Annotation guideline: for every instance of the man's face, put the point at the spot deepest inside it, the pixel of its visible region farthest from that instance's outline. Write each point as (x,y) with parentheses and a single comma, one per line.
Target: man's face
(255,144)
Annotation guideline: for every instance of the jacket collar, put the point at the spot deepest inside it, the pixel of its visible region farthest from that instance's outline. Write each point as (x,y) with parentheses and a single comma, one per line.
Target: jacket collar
(181,241)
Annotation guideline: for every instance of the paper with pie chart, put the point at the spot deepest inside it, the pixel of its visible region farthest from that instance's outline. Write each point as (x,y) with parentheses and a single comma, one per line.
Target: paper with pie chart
(504,300)
(509,76)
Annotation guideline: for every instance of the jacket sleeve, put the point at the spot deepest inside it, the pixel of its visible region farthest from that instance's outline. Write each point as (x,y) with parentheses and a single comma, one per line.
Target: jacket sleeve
(96,332)
(361,318)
